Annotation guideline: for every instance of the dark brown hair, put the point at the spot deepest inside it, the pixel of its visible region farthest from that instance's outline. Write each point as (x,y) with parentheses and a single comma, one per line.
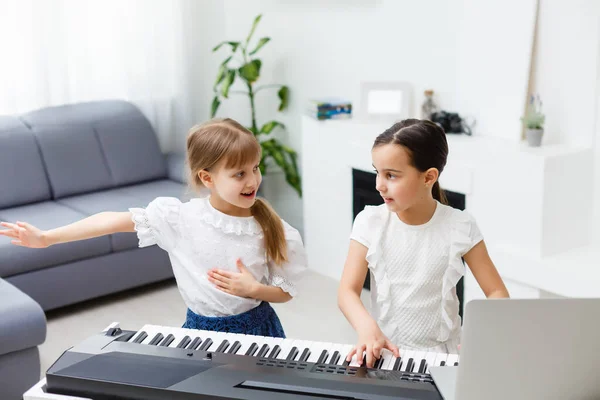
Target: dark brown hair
(225,138)
(425,143)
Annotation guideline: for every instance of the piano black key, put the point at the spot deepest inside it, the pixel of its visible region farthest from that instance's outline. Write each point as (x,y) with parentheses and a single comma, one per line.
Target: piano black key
(168,340)
(184,342)
(335,358)
(346,363)
(422,366)
(195,343)
(293,354)
(397,364)
(305,355)
(323,357)
(456,364)
(263,351)
(223,346)
(378,363)
(410,365)
(364,361)
(143,335)
(156,339)
(252,349)
(234,347)
(206,345)
(275,352)
(442,363)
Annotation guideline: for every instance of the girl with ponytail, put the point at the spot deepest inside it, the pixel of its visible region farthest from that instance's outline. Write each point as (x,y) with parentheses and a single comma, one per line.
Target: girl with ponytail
(231,253)
(412,246)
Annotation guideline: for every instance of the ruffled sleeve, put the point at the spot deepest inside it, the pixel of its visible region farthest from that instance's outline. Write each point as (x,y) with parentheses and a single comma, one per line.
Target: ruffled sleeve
(158,223)
(365,225)
(464,235)
(289,274)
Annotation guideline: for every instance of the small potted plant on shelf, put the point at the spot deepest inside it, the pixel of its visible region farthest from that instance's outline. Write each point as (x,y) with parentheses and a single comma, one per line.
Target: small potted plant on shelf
(534,121)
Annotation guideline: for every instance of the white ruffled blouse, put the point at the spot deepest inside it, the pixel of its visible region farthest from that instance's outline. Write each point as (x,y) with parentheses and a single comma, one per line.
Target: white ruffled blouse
(198,237)
(414,271)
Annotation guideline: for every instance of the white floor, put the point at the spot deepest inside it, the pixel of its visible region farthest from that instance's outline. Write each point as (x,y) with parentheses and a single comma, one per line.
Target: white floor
(312,315)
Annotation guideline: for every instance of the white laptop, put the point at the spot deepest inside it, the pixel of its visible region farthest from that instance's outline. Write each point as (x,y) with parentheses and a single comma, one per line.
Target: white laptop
(526,350)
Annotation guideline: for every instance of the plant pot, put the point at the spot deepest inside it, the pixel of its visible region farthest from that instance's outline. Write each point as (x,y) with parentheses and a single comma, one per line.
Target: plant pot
(534,137)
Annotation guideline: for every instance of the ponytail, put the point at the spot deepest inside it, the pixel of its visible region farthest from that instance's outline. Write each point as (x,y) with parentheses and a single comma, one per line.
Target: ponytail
(272,226)
(438,193)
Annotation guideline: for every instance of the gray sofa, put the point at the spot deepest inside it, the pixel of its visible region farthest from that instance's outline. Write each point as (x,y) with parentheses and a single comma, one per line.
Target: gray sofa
(62,164)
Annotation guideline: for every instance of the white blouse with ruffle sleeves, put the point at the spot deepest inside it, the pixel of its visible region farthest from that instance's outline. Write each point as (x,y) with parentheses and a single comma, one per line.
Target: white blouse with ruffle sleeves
(198,237)
(414,271)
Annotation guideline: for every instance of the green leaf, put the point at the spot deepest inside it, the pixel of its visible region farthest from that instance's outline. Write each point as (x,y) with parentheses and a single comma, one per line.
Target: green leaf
(286,160)
(215,105)
(227,82)
(284,96)
(234,46)
(221,74)
(226,61)
(269,126)
(250,71)
(260,44)
(254,25)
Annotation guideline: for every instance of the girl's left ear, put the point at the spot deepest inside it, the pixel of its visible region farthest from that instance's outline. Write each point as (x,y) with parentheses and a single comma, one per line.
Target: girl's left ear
(431,176)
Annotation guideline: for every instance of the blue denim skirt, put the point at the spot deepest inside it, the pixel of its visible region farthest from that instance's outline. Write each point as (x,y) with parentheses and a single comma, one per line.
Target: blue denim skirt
(261,320)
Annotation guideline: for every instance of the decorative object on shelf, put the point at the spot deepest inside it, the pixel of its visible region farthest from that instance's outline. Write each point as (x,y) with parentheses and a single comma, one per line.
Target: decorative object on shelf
(534,121)
(330,108)
(429,106)
(452,122)
(248,70)
(385,101)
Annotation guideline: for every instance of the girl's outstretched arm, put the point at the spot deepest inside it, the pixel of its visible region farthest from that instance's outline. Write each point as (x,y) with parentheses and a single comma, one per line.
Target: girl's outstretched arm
(485,272)
(104,223)
(371,339)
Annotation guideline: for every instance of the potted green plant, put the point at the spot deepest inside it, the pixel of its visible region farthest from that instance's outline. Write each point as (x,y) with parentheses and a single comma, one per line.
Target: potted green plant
(242,63)
(534,121)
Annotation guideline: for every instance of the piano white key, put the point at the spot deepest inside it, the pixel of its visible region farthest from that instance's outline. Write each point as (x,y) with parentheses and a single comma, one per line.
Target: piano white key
(344,352)
(285,345)
(294,343)
(316,349)
(245,342)
(452,358)
(335,347)
(408,354)
(388,359)
(430,359)
(151,331)
(419,356)
(439,358)
(136,335)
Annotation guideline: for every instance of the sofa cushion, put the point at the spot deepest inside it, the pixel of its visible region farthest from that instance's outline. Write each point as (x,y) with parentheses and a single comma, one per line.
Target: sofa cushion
(121,199)
(22,321)
(129,144)
(74,160)
(131,149)
(146,192)
(23,178)
(45,215)
(107,200)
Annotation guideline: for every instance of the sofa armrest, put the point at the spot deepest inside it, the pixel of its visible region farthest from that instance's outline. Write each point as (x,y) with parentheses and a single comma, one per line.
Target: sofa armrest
(176,167)
(22,320)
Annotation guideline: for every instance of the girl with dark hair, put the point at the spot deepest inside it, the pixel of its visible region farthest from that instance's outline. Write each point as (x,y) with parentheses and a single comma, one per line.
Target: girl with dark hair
(413,246)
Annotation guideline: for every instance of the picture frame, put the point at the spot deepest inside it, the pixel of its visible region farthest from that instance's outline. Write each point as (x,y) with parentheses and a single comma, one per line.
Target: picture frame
(385,101)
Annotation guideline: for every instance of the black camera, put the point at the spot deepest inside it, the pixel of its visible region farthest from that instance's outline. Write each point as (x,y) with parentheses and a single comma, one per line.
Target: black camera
(450,122)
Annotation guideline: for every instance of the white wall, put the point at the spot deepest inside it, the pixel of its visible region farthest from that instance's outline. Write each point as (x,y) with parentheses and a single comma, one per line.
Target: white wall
(326,48)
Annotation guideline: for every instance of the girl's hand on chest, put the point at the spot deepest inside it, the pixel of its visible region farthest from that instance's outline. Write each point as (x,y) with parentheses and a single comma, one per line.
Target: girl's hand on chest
(242,283)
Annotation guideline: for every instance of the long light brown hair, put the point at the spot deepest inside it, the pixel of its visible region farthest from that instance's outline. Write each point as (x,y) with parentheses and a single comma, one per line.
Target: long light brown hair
(218,139)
